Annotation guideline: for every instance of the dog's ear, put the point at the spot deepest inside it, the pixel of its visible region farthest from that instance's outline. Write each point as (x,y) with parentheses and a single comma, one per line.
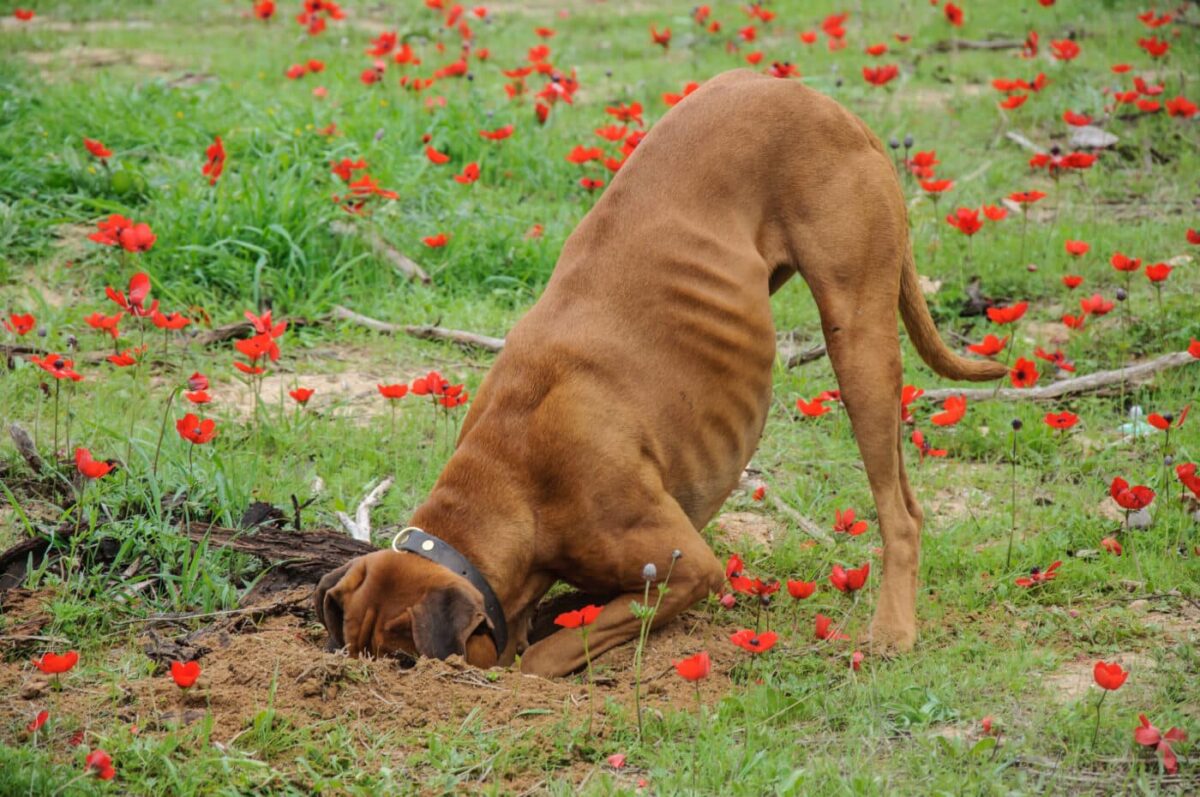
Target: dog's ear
(445,619)
(328,600)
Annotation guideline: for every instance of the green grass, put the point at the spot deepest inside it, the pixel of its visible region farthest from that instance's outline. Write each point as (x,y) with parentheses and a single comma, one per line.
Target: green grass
(800,721)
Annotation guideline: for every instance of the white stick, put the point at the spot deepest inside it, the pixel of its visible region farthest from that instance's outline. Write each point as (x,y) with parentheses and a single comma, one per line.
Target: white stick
(360,526)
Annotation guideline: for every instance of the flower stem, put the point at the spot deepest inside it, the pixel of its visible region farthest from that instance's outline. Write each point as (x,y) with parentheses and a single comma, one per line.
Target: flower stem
(1099,703)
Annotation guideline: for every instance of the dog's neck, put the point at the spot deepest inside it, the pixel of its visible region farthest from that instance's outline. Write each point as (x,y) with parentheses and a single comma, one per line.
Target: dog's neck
(477,508)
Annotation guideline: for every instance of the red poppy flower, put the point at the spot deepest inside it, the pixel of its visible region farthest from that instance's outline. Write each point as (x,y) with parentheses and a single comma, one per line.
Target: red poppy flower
(627,113)
(345,168)
(844,522)
(435,241)
(20,325)
(852,580)
(760,493)
(921,164)
(801,589)
(754,58)
(1096,305)
(1057,357)
(1077,248)
(1194,348)
(954,14)
(215,156)
(923,446)
(990,346)
(672,99)
(1024,373)
(196,431)
(126,358)
(97,148)
(137,238)
(1026,198)
(1009,314)
(661,38)
(877,49)
(955,407)
(880,75)
(581,154)
(57,366)
(1076,119)
(185,675)
(1182,107)
(108,230)
(1111,545)
(824,632)
(55,664)
(1147,735)
(366,186)
(264,9)
(23,14)
(38,721)
(1038,576)
(1154,47)
(995,213)
(198,396)
(1158,272)
(1122,263)
(301,395)
(966,220)
(936,186)
(1061,420)
(1013,101)
(99,763)
(1109,676)
(694,668)
(1064,49)
(612,132)
(393,391)
(1186,473)
(470,174)
(734,566)
(1072,281)
(747,640)
(258,346)
(296,71)
(578,618)
(1131,498)
(590,184)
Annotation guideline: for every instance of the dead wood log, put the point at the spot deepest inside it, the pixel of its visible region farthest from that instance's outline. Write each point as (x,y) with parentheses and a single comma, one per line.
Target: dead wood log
(950,45)
(461,337)
(804,357)
(405,266)
(241,329)
(25,447)
(1090,383)
(304,557)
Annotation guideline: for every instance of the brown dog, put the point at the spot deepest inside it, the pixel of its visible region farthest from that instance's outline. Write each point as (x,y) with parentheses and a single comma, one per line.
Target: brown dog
(629,398)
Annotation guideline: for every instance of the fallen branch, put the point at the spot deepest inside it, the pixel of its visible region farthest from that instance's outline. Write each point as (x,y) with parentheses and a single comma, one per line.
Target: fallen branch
(950,45)
(360,526)
(803,357)
(1070,387)
(400,262)
(303,557)
(1017,138)
(461,337)
(25,447)
(239,329)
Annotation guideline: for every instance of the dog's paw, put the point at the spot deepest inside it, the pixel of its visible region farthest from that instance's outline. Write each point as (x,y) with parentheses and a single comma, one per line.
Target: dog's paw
(891,639)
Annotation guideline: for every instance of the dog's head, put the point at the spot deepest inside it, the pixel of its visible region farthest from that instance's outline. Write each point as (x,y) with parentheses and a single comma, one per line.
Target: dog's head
(388,603)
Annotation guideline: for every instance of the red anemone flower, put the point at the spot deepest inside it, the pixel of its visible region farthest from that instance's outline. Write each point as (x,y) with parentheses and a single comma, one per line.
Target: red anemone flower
(1077,248)
(196,431)
(38,721)
(1127,264)
(185,675)
(499,134)
(106,324)
(995,213)
(1158,272)
(955,407)
(694,668)
(215,160)
(134,301)
(812,409)
(824,632)
(936,186)
(923,446)
(99,763)
(851,580)
(97,148)
(1064,49)
(57,366)
(1109,676)
(1096,305)
(1072,281)
(1038,576)
(91,468)
(579,618)
(1061,420)
(1008,314)
(1056,357)
(1128,497)
(1076,119)
(1024,373)
(880,75)
(436,241)
(954,14)
(1147,735)
(1111,545)
(990,346)
(1026,198)
(345,168)
(844,522)
(393,391)
(57,664)
(661,38)
(301,395)
(801,589)
(747,640)
(20,325)
(470,174)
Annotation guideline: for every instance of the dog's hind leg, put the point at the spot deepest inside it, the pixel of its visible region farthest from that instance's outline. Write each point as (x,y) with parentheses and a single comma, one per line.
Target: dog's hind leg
(695,574)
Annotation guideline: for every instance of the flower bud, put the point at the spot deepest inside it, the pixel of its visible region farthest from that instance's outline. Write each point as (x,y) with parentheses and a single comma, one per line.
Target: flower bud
(649,572)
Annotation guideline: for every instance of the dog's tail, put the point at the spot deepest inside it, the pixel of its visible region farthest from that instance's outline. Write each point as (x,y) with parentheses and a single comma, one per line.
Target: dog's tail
(928,341)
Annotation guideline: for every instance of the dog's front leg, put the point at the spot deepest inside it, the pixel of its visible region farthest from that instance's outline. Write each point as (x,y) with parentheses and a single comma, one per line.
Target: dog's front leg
(696,574)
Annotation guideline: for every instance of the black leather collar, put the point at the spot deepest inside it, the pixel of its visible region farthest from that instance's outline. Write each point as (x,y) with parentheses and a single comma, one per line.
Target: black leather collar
(417,541)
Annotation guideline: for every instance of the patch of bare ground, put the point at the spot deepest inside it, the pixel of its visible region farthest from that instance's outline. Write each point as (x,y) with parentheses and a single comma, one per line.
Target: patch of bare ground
(1073,680)
(71,60)
(280,663)
(736,530)
(41,23)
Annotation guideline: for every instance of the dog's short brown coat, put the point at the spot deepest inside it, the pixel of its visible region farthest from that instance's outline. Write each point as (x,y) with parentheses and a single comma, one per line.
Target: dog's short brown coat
(627,401)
